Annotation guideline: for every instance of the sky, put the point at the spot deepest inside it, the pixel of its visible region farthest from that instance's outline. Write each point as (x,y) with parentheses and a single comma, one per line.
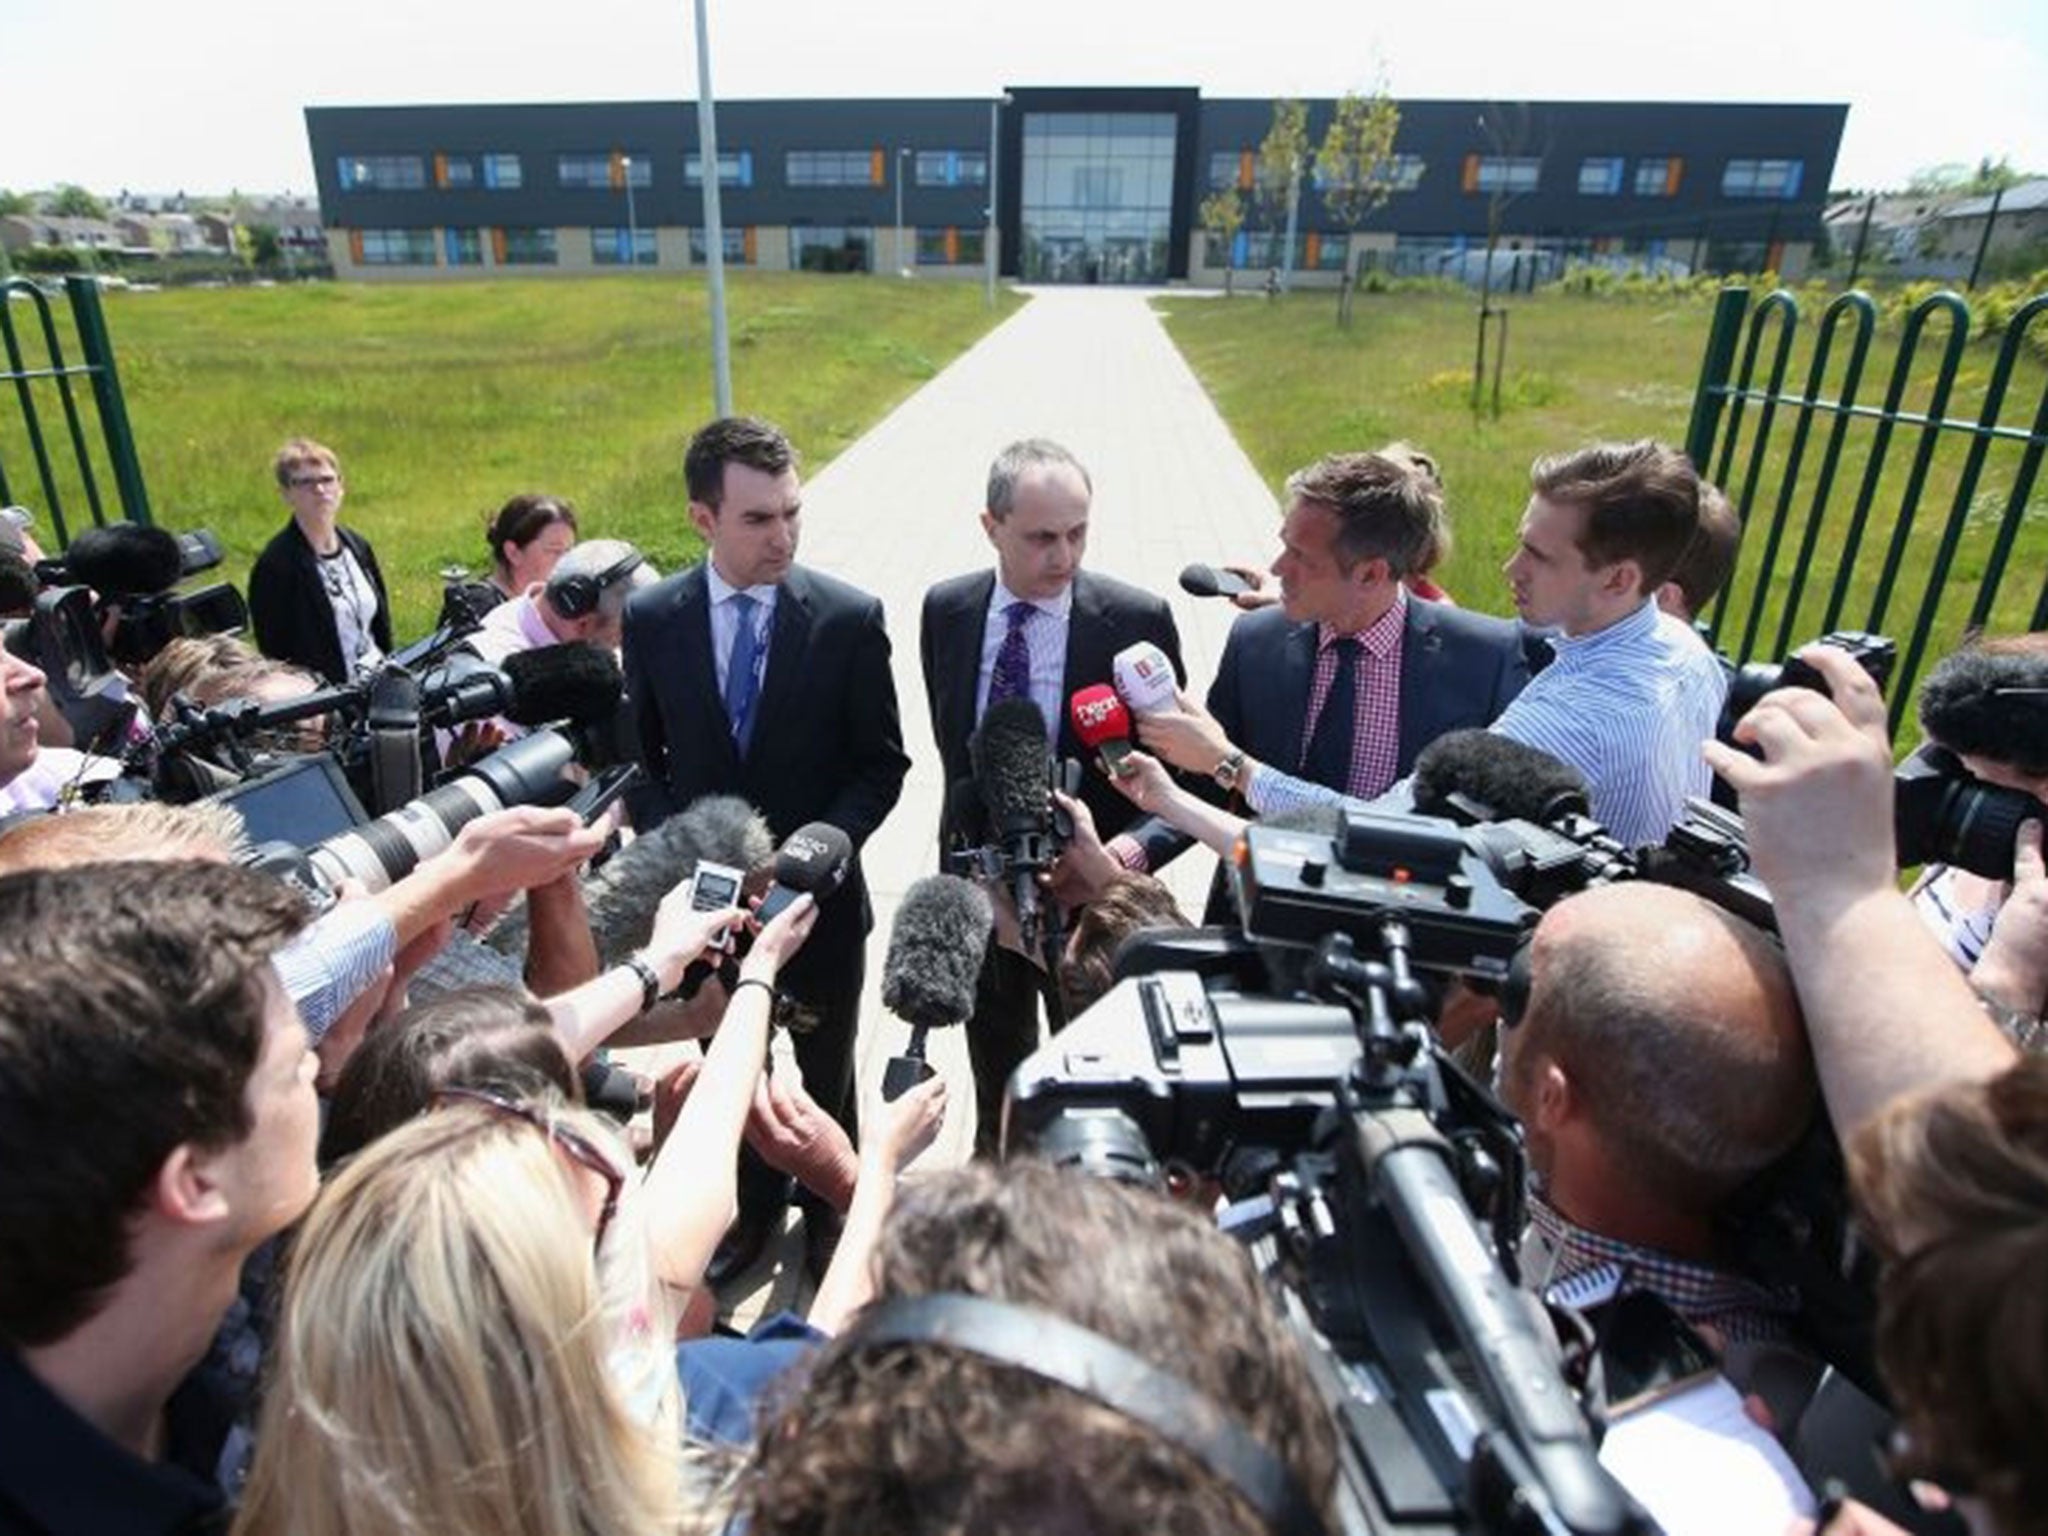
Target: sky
(207,96)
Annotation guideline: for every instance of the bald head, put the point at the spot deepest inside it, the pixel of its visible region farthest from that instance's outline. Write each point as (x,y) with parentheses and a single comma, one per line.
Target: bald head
(1670,1031)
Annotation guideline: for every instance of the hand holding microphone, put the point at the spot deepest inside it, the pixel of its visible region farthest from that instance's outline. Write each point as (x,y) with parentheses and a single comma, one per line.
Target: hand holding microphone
(1244,585)
(1104,726)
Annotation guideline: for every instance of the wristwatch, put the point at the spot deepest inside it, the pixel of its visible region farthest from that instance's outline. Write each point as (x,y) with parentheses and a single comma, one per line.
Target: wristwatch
(1226,772)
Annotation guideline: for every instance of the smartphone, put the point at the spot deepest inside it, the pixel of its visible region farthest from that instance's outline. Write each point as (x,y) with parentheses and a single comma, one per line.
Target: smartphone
(596,797)
(713,887)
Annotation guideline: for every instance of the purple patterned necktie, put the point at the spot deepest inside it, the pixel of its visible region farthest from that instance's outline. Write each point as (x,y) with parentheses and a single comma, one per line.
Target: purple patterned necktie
(1011,678)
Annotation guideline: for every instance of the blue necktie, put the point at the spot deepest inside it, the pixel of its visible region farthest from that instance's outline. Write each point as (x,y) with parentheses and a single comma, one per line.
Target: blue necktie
(1011,678)
(1326,760)
(742,685)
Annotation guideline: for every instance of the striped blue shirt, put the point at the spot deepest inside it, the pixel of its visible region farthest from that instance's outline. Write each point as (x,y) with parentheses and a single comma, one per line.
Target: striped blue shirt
(1628,706)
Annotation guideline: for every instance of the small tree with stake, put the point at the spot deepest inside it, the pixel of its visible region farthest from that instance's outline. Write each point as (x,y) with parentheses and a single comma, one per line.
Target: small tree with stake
(1222,215)
(1277,178)
(1355,164)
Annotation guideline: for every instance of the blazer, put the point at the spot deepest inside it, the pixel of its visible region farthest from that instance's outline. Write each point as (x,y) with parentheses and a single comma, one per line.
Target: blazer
(827,742)
(1107,615)
(291,612)
(1458,669)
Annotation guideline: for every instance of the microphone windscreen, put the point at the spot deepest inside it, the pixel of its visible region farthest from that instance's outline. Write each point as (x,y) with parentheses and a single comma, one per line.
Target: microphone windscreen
(1099,716)
(725,829)
(1201,581)
(125,560)
(813,858)
(935,952)
(623,895)
(576,681)
(1012,764)
(1508,780)
(1144,678)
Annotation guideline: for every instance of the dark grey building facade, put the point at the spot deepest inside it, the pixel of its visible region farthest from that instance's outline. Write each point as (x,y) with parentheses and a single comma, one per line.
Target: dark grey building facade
(1087,184)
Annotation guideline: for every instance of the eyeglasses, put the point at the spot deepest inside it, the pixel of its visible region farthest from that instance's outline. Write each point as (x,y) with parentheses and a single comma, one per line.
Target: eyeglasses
(572,1141)
(303,482)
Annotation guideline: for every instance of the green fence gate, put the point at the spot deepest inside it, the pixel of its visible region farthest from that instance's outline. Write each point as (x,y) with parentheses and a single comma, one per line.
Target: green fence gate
(52,449)
(1950,429)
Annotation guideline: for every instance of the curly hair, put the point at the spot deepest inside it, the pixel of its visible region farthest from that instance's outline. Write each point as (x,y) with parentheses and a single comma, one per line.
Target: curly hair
(929,1441)
(1954,1185)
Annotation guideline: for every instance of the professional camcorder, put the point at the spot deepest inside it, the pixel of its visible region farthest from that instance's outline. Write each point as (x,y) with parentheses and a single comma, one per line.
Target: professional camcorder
(1379,1187)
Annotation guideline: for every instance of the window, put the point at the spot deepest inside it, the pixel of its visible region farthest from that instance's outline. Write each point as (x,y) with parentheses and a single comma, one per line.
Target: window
(1600,177)
(503,173)
(398,247)
(1658,178)
(610,247)
(831,248)
(951,247)
(526,247)
(382,173)
(614,171)
(952,168)
(454,170)
(1762,178)
(833,167)
(738,243)
(1401,173)
(1501,173)
(463,247)
(735,168)
(1230,168)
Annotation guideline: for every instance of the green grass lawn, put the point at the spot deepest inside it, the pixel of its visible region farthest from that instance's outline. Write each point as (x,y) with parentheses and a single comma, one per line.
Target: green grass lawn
(445,399)
(1293,386)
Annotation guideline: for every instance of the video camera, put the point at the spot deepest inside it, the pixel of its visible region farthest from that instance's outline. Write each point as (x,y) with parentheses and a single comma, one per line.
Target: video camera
(1379,1187)
(132,573)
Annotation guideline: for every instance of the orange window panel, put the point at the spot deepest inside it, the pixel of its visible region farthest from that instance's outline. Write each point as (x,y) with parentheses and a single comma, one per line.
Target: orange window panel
(1672,172)
(440,170)
(1312,257)
(1470,179)
(1247,168)
(877,168)
(355,246)
(498,246)
(747,243)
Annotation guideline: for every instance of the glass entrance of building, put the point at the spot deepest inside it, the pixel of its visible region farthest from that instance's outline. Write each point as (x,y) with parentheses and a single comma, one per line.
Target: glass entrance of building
(1097,197)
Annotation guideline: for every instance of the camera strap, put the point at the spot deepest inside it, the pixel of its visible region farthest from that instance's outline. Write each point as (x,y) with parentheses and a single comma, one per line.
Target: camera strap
(1056,1350)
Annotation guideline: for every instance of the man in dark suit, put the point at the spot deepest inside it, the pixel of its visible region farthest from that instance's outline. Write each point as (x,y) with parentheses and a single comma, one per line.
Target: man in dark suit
(1036,627)
(752,675)
(1350,676)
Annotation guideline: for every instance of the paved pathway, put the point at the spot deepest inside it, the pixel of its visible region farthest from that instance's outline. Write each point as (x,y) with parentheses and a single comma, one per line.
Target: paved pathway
(899,510)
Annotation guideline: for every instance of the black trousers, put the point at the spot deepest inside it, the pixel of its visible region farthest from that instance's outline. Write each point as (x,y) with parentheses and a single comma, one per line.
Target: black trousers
(1003,1031)
(825,1054)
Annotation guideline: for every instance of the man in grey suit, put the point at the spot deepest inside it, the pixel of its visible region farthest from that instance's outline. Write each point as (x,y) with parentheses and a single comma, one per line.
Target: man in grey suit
(1350,676)
(1036,627)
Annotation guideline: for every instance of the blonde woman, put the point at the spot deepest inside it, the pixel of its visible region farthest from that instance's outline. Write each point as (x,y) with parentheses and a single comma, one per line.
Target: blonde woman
(441,1365)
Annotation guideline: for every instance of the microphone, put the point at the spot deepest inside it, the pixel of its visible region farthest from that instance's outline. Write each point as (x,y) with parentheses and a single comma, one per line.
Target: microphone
(623,895)
(1104,726)
(1143,678)
(1206,581)
(814,858)
(123,560)
(576,681)
(933,969)
(1013,769)
(1476,776)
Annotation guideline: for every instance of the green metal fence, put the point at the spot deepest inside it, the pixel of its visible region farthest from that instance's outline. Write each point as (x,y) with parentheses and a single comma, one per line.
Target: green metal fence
(1845,488)
(52,452)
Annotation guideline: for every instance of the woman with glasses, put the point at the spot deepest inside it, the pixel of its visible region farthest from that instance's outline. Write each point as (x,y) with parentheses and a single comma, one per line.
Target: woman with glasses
(316,596)
(477,1329)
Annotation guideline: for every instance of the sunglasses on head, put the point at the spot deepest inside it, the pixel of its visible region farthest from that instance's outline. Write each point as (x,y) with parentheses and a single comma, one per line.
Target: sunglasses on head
(580,1148)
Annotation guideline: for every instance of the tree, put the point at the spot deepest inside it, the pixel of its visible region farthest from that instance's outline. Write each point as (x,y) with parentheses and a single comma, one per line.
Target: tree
(16,202)
(1277,177)
(1355,165)
(266,251)
(1222,215)
(72,201)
